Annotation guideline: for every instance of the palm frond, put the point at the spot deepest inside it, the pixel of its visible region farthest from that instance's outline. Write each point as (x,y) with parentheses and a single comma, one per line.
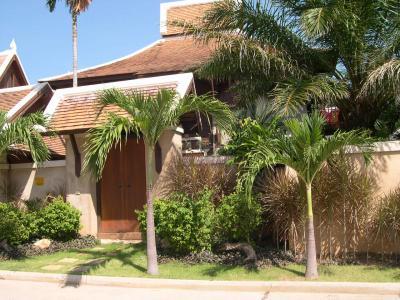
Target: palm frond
(26,131)
(209,106)
(289,97)
(147,115)
(102,138)
(384,80)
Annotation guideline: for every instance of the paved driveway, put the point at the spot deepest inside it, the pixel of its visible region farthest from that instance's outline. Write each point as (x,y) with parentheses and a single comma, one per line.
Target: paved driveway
(21,290)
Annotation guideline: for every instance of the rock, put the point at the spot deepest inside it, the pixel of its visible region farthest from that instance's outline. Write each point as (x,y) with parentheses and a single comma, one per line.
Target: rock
(4,245)
(246,248)
(42,244)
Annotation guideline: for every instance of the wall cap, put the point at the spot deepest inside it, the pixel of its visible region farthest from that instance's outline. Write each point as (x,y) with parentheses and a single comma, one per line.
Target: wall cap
(47,164)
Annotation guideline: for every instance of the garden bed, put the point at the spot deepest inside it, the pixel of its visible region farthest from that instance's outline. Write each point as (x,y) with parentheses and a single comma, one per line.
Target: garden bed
(29,249)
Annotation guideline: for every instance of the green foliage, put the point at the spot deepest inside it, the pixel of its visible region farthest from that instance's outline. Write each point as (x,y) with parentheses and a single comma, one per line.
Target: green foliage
(237,218)
(388,120)
(13,225)
(58,221)
(186,224)
(247,134)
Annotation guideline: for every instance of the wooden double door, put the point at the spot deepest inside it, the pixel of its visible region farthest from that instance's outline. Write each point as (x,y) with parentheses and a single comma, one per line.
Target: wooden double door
(123,189)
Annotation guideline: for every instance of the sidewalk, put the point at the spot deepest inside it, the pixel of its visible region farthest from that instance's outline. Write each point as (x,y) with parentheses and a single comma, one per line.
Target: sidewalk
(205,285)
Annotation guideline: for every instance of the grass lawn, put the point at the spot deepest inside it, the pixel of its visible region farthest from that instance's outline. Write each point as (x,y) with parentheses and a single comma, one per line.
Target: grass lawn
(130,261)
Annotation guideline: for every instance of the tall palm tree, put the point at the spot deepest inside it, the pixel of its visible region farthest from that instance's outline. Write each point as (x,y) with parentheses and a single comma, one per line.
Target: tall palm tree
(148,116)
(305,149)
(75,8)
(295,52)
(24,131)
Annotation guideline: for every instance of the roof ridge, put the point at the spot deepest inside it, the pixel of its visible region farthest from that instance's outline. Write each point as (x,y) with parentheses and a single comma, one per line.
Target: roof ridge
(17,88)
(106,63)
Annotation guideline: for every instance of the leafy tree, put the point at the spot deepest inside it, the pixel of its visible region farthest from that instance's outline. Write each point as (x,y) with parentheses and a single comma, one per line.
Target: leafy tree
(304,149)
(296,52)
(24,131)
(75,8)
(148,116)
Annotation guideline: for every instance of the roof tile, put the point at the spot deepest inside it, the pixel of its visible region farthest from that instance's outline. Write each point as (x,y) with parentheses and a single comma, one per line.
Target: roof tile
(11,98)
(80,112)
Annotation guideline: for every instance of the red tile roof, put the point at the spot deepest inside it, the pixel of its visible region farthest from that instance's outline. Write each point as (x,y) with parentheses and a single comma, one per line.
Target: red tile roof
(56,144)
(79,112)
(10,97)
(172,55)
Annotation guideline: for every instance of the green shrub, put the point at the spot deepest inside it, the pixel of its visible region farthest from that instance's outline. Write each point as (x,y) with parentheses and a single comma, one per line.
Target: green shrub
(237,218)
(58,221)
(13,227)
(186,224)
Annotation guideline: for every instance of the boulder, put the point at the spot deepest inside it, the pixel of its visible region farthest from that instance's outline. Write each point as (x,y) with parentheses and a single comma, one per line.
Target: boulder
(4,246)
(42,244)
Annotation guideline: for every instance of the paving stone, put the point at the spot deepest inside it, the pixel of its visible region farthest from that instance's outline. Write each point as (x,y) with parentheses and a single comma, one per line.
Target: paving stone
(52,267)
(97,249)
(68,260)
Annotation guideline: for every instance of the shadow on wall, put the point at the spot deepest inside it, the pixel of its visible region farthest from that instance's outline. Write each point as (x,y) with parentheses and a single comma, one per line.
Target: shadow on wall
(29,183)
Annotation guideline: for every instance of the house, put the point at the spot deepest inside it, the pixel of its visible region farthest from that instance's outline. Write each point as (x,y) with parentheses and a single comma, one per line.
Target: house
(18,98)
(108,206)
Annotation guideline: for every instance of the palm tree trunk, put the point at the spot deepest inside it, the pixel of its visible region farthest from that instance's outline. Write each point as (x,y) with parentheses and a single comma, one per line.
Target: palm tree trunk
(75,49)
(152,265)
(311,269)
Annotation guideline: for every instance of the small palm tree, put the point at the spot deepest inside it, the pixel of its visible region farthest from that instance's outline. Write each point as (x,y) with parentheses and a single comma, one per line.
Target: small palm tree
(25,131)
(305,149)
(148,116)
(75,8)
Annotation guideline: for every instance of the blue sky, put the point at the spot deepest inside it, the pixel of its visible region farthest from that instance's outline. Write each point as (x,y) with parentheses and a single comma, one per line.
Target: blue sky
(108,30)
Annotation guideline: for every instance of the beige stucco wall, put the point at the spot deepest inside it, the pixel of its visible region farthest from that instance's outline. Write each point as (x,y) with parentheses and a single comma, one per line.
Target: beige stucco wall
(384,167)
(81,192)
(29,181)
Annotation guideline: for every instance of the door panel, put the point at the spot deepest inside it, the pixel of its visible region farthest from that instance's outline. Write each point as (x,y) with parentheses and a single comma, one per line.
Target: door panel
(123,187)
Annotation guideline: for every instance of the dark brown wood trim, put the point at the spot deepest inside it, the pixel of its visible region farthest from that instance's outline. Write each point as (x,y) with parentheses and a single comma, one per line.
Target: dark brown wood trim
(158,157)
(77,154)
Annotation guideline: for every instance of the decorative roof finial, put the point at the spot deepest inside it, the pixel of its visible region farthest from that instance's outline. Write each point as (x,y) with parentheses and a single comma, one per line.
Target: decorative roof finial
(13,45)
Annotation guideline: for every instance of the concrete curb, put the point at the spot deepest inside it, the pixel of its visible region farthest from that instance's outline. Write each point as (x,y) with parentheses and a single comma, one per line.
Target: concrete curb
(239,286)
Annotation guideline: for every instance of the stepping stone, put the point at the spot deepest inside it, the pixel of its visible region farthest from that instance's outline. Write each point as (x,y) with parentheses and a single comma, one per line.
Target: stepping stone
(68,260)
(97,249)
(52,267)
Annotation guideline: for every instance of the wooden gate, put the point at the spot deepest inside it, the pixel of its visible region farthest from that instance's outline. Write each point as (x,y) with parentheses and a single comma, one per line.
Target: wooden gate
(123,190)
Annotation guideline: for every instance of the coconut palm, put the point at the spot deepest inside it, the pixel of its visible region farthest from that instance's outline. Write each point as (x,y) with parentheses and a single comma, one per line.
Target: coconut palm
(304,149)
(296,52)
(24,132)
(75,8)
(148,116)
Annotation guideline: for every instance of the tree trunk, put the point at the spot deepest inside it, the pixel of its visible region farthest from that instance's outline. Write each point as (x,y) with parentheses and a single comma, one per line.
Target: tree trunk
(152,265)
(311,269)
(75,49)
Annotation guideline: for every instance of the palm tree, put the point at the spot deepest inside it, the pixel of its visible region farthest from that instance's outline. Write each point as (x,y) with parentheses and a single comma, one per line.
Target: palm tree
(24,131)
(75,8)
(304,149)
(148,116)
(296,52)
